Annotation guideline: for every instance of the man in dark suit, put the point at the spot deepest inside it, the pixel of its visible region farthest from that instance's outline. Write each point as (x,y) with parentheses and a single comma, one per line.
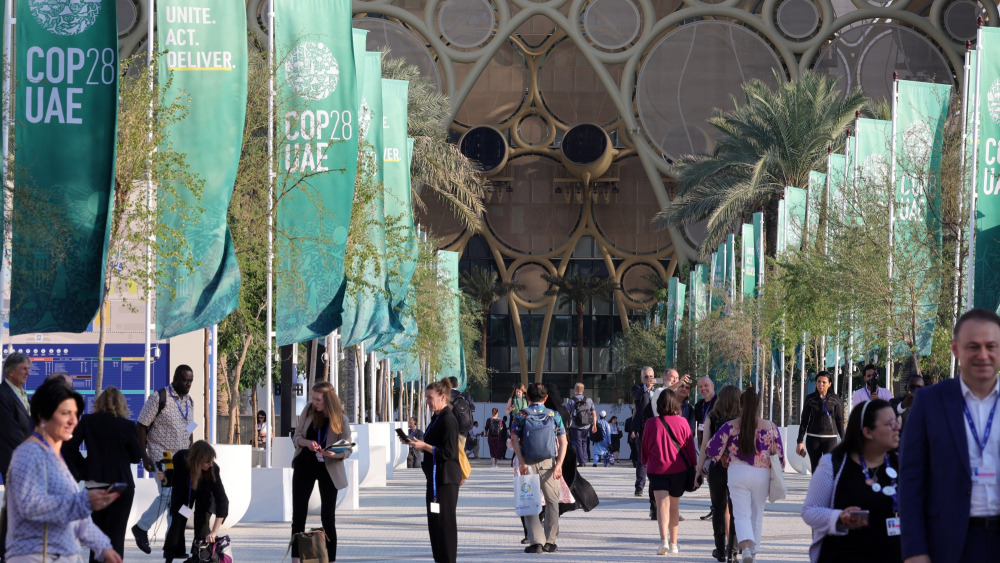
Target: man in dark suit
(949,504)
(642,396)
(15,422)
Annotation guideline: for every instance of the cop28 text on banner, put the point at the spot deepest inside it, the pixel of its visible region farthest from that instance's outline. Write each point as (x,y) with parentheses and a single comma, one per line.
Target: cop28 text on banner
(205,60)
(317,158)
(65,126)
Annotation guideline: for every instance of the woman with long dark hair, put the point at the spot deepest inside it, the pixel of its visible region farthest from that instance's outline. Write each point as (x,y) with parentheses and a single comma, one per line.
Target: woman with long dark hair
(725,409)
(197,487)
(443,473)
(494,436)
(852,502)
(320,425)
(748,442)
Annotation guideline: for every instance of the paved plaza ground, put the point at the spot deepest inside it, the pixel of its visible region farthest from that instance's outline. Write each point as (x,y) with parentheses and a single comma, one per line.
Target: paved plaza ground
(391,524)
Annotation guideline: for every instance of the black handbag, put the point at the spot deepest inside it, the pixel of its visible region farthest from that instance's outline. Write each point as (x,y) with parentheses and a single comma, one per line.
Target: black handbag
(690,475)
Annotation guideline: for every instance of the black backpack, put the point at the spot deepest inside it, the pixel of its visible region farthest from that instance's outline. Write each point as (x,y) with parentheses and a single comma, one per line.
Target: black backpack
(162,404)
(493,427)
(598,435)
(583,413)
(463,412)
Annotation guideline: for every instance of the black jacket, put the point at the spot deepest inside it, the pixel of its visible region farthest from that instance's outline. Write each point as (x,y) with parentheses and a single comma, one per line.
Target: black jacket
(814,419)
(15,425)
(209,491)
(584,495)
(112,446)
(643,408)
(442,433)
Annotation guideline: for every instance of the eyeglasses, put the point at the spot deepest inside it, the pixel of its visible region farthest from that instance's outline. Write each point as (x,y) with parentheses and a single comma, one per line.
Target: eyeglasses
(892,423)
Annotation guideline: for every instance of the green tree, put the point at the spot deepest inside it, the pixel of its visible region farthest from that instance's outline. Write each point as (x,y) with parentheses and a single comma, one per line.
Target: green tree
(577,289)
(485,288)
(771,141)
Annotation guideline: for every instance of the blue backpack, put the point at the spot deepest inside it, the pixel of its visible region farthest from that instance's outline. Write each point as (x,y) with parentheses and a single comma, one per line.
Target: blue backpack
(538,436)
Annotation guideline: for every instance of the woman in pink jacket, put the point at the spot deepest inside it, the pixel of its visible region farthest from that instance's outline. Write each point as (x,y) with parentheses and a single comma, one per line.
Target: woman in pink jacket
(667,451)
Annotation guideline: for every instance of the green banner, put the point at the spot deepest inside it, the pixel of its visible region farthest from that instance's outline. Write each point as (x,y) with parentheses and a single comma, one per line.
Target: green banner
(398,206)
(816,197)
(674,316)
(758,248)
(66,127)
(205,51)
(836,175)
(699,291)
(453,353)
(731,264)
(986,289)
(782,226)
(921,110)
(749,261)
(366,307)
(871,161)
(718,277)
(317,158)
(796,201)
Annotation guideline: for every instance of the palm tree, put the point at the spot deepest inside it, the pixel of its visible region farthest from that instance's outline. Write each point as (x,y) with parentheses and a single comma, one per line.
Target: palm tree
(483,286)
(436,164)
(770,142)
(577,289)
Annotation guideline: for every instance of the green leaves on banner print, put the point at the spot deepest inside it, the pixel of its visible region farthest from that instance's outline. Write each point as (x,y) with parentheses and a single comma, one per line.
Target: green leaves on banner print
(67,81)
(205,60)
(317,153)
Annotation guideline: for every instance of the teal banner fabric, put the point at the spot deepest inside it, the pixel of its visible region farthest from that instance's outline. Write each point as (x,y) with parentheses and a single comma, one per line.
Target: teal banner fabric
(749,276)
(986,290)
(453,354)
(758,252)
(674,316)
(206,55)
(795,217)
(65,123)
(317,159)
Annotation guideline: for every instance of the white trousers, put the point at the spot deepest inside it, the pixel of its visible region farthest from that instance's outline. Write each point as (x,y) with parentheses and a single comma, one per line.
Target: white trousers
(748,487)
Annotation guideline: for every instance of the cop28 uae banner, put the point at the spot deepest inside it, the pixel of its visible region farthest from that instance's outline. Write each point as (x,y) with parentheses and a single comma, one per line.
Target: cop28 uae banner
(206,57)
(65,125)
(317,160)
(675,313)
(986,288)
(453,354)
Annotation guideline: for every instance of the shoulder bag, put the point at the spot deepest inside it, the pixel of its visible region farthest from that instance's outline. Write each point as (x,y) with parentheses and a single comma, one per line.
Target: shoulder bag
(690,475)
(777,489)
(312,546)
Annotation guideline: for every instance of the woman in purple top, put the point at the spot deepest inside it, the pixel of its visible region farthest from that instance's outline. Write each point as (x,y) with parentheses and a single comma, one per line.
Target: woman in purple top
(746,445)
(667,452)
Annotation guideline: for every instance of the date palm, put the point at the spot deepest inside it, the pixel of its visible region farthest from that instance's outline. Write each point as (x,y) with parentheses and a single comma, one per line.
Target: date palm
(485,288)
(770,141)
(576,289)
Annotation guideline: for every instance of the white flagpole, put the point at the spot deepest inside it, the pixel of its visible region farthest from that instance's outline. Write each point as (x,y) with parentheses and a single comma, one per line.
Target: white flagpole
(270,236)
(150,284)
(371,378)
(971,268)
(958,235)
(8,199)
(892,223)
(359,381)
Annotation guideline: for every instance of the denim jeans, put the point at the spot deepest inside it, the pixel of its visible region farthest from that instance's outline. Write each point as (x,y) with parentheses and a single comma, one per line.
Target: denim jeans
(160,505)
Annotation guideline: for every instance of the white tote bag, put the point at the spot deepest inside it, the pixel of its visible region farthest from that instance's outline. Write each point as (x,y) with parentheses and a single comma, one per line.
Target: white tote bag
(527,495)
(776,490)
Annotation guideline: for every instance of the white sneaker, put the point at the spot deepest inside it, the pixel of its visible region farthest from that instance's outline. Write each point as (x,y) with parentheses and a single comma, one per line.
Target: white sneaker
(747,556)
(674,548)
(663,549)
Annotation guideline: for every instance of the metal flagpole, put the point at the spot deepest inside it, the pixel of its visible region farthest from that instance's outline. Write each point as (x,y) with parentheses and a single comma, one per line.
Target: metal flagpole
(7,201)
(359,381)
(150,287)
(333,359)
(270,236)
(371,378)
(971,268)
(958,235)
(892,223)
(214,392)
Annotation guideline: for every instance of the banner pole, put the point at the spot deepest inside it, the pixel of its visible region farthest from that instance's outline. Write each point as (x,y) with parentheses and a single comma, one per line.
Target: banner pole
(892,225)
(958,235)
(214,391)
(7,230)
(270,235)
(150,284)
(971,268)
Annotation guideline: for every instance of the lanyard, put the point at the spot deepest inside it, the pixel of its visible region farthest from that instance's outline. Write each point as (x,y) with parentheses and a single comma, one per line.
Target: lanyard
(434,465)
(890,490)
(989,426)
(870,393)
(46,444)
(822,401)
(708,409)
(321,436)
(187,406)
(191,490)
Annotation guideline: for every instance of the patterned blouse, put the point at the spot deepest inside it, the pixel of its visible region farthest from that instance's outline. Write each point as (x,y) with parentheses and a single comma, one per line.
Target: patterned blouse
(727,440)
(42,491)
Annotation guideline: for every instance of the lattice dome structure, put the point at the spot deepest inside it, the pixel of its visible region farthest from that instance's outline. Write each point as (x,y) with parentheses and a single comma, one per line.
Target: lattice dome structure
(646,72)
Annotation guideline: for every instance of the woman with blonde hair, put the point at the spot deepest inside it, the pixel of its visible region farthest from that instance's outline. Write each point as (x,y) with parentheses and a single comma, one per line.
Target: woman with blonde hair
(320,425)
(112,447)
(197,485)
(518,399)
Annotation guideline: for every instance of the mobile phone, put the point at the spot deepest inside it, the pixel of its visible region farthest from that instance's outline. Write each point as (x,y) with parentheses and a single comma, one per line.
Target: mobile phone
(402,435)
(860,514)
(117,487)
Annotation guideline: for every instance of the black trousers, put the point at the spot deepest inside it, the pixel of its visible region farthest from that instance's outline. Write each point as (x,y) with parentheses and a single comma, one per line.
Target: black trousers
(640,477)
(175,545)
(307,472)
(817,448)
(718,491)
(980,546)
(443,526)
(113,521)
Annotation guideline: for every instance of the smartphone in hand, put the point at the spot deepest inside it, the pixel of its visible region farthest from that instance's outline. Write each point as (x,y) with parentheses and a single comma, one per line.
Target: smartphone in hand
(860,515)
(402,435)
(117,488)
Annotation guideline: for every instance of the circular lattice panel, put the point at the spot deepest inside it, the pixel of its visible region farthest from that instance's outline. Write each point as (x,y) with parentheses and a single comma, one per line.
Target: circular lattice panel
(401,43)
(466,23)
(611,24)
(798,19)
(960,20)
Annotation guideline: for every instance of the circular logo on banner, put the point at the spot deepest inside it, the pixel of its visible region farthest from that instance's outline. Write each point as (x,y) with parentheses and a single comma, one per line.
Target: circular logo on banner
(993,101)
(65,17)
(917,141)
(875,169)
(312,70)
(365,118)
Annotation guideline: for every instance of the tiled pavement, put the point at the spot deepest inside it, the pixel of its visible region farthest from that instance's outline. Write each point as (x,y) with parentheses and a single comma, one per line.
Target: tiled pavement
(391,525)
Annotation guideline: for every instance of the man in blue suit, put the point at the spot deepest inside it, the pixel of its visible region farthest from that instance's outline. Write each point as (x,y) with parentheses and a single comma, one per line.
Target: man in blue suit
(949,492)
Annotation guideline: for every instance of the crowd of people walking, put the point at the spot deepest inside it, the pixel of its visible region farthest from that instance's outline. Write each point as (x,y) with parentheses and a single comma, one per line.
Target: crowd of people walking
(910,480)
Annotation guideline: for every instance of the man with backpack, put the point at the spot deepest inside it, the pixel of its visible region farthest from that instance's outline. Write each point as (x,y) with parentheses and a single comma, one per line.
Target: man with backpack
(584,422)
(539,442)
(463,407)
(165,425)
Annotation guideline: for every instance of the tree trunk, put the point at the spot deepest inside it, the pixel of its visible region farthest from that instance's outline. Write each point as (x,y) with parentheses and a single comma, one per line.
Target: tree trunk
(579,342)
(350,369)
(771,227)
(234,393)
(482,325)
(253,411)
(102,318)
(208,386)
